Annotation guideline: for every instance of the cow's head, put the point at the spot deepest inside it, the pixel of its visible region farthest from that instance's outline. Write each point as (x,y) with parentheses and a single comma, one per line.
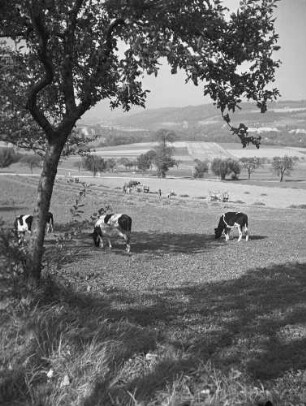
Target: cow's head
(218,232)
(96,236)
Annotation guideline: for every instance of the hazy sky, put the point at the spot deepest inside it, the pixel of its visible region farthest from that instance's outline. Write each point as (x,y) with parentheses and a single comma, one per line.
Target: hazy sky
(170,90)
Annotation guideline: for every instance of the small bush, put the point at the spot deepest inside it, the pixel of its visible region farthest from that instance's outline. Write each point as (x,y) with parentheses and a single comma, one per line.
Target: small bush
(8,157)
(297,206)
(239,202)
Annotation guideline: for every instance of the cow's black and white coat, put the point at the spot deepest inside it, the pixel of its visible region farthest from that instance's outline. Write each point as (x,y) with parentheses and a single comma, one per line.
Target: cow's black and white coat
(112,225)
(23,225)
(231,220)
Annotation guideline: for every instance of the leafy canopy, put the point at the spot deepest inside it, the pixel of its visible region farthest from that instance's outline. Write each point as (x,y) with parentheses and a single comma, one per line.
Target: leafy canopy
(283,165)
(74,53)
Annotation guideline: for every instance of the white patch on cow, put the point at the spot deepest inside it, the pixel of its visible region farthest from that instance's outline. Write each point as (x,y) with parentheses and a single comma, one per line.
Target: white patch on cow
(227,228)
(112,229)
(22,228)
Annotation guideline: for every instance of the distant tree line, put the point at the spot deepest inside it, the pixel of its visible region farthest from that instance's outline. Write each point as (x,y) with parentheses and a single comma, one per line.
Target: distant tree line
(223,168)
(161,159)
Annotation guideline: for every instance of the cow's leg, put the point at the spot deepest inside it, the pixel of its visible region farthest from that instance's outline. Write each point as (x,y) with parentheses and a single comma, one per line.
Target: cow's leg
(101,245)
(126,236)
(49,228)
(240,233)
(246,234)
(227,234)
(127,240)
(109,243)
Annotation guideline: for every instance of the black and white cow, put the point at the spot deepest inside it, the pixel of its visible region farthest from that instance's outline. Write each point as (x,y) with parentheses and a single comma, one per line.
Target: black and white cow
(112,225)
(231,220)
(22,225)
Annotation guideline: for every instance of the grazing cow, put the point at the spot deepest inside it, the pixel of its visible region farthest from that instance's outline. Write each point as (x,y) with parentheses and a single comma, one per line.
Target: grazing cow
(23,224)
(112,225)
(231,220)
(50,223)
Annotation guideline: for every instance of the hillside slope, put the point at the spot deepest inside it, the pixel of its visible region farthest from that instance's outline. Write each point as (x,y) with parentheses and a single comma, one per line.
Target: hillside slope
(284,123)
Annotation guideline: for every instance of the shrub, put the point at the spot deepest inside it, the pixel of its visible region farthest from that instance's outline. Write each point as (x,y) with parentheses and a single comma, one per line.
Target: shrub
(8,157)
(224,167)
(200,169)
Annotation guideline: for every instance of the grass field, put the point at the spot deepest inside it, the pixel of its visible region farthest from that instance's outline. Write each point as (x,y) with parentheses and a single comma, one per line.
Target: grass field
(183,320)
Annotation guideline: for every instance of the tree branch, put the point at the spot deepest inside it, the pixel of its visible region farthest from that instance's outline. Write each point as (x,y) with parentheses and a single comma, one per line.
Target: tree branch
(104,54)
(42,34)
(69,39)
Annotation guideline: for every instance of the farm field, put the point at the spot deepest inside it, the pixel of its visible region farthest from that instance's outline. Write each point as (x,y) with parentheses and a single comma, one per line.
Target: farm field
(187,152)
(205,150)
(184,318)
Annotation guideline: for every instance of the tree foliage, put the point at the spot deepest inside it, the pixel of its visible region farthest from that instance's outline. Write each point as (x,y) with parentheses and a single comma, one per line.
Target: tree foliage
(164,136)
(250,165)
(93,163)
(224,167)
(8,157)
(163,157)
(201,167)
(145,161)
(283,166)
(71,61)
(110,164)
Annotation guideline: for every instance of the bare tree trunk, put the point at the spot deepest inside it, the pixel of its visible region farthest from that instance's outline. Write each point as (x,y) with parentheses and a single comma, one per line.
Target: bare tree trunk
(44,193)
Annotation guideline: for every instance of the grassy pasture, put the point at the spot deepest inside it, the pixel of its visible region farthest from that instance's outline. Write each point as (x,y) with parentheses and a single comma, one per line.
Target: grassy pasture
(183,320)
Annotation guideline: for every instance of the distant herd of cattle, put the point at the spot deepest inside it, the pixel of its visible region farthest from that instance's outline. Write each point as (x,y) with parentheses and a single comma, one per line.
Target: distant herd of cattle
(120,225)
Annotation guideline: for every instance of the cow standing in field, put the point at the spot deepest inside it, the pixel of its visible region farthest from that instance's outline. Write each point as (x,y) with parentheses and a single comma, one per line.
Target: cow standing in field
(231,220)
(112,225)
(23,225)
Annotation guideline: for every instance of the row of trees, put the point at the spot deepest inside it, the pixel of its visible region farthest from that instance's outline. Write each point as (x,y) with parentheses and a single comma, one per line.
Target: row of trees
(161,158)
(222,168)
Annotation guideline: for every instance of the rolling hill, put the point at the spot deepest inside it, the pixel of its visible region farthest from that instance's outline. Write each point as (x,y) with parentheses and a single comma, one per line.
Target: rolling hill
(283,124)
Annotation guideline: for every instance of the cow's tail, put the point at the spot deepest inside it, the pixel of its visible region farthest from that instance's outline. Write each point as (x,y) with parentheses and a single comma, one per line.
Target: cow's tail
(125,222)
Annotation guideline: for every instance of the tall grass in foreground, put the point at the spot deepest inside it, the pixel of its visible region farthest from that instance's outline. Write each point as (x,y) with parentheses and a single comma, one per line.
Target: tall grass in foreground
(62,347)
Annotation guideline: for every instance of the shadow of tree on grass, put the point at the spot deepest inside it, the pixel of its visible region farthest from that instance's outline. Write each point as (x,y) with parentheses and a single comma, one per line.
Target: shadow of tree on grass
(170,242)
(256,324)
